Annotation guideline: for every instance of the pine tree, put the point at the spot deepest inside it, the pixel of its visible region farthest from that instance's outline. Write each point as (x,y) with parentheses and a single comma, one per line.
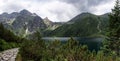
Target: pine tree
(114,29)
(114,23)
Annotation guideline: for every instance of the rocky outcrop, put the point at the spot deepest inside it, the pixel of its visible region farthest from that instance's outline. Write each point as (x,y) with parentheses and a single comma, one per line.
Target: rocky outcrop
(52,25)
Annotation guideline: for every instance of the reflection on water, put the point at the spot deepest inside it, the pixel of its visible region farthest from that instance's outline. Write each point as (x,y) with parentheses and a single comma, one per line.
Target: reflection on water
(92,43)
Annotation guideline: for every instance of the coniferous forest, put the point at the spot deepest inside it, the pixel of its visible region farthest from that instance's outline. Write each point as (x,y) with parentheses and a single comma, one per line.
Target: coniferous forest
(34,48)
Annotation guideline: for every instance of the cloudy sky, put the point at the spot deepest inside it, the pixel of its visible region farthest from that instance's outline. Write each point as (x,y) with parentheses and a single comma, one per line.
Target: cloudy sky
(57,10)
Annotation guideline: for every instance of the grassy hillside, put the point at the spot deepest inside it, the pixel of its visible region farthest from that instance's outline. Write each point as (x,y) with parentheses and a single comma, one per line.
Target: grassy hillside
(85,24)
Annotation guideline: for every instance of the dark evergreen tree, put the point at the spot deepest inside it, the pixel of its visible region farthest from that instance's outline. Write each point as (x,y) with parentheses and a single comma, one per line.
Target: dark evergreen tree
(113,44)
(114,23)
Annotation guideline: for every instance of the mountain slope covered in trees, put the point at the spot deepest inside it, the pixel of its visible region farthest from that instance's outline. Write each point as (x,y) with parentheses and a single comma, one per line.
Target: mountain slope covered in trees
(85,24)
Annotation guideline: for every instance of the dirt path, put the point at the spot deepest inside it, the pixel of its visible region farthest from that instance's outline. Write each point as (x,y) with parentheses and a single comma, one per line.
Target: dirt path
(9,55)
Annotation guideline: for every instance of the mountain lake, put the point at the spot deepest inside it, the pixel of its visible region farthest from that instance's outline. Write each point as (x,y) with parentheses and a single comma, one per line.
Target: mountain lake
(91,42)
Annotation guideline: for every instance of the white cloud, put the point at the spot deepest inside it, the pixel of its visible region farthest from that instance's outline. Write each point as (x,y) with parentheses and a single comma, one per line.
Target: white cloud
(104,8)
(55,10)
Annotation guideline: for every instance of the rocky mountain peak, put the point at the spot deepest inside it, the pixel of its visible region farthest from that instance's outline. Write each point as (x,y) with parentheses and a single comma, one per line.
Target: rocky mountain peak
(25,12)
(46,18)
(5,13)
(47,21)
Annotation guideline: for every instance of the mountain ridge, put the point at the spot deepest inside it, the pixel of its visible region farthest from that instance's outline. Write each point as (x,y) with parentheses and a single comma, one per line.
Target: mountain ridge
(84,24)
(25,22)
